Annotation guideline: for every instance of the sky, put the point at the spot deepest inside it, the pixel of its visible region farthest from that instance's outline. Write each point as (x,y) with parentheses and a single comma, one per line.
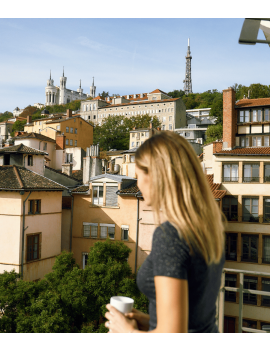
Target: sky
(124,55)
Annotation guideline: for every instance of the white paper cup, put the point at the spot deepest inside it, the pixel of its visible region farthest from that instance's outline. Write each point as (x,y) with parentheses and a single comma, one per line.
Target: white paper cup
(122,303)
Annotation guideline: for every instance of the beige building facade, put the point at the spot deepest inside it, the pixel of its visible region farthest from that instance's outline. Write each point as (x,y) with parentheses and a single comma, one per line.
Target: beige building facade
(170,111)
(241,162)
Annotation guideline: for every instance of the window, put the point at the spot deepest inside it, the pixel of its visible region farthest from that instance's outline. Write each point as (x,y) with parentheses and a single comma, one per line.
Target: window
(69,158)
(163,127)
(86,107)
(170,126)
(147,134)
(124,232)
(266,209)
(66,141)
(230,173)
(75,143)
(30,160)
(249,248)
(251,172)
(250,209)
(267,173)
(142,134)
(230,208)
(266,287)
(230,280)
(231,246)
(71,130)
(256,141)
(266,114)
(76,130)
(34,207)
(98,195)
(32,247)
(266,141)
(71,142)
(266,249)
(250,283)
(111,196)
(247,323)
(132,144)
(44,146)
(244,141)
(40,123)
(133,135)
(138,143)
(90,230)
(256,116)
(244,116)
(132,158)
(107,230)
(58,127)
(67,129)
(84,259)
(164,119)
(94,116)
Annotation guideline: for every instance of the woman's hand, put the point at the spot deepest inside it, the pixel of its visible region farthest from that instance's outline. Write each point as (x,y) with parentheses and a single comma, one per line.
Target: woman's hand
(141,318)
(118,323)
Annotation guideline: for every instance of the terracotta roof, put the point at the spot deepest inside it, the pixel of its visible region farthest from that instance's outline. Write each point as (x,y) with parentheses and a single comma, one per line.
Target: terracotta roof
(21,149)
(99,98)
(201,157)
(246,151)
(158,91)
(18,178)
(34,136)
(78,174)
(130,190)
(145,102)
(218,194)
(252,102)
(81,189)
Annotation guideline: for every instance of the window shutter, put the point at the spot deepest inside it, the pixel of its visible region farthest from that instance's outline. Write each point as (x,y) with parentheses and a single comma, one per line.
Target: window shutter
(111,196)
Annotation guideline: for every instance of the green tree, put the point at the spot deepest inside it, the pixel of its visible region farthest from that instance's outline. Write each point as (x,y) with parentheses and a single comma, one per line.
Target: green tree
(6,115)
(213,133)
(17,126)
(68,299)
(114,131)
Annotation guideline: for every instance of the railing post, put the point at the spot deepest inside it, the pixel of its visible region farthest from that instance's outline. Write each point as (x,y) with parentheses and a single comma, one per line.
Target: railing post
(240,322)
(221,304)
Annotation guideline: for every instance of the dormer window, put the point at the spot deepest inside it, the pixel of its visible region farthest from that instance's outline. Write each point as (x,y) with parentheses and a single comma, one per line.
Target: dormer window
(30,160)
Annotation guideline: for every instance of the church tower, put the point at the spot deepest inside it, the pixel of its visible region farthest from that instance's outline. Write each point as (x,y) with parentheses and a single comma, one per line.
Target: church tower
(187,80)
(63,82)
(80,90)
(93,90)
(50,92)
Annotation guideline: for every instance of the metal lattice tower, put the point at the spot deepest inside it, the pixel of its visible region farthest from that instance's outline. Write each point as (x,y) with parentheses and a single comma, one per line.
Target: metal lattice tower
(187,80)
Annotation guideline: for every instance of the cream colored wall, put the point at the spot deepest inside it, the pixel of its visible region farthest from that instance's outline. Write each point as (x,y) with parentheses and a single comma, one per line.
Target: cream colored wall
(50,132)
(243,129)
(126,214)
(59,159)
(128,169)
(48,223)
(208,158)
(266,128)
(256,129)
(76,151)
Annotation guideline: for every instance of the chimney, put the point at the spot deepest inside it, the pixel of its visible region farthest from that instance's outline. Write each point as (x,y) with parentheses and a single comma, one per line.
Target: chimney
(60,142)
(92,163)
(229,119)
(248,94)
(127,97)
(108,98)
(67,168)
(158,128)
(29,119)
(134,96)
(151,125)
(69,113)
(141,95)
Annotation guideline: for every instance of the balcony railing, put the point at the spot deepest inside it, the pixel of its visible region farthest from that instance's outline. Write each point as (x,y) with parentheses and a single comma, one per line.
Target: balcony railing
(241,291)
(251,179)
(230,179)
(266,259)
(250,258)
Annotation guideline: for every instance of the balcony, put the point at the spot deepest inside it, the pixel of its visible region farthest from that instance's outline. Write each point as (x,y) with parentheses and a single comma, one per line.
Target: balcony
(251,179)
(243,294)
(230,179)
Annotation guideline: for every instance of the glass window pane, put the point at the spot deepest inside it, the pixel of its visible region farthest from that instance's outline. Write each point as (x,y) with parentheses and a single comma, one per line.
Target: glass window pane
(259,115)
(111,232)
(243,142)
(246,116)
(254,118)
(103,232)
(255,171)
(266,114)
(259,141)
(247,172)
(94,231)
(234,172)
(227,171)
(247,141)
(86,230)
(266,141)
(267,173)
(253,141)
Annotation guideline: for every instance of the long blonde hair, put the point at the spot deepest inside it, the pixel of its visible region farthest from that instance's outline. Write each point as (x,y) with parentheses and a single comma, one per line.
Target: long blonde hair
(180,190)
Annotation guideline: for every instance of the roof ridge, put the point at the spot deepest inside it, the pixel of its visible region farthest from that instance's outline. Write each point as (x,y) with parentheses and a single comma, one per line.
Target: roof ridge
(18,176)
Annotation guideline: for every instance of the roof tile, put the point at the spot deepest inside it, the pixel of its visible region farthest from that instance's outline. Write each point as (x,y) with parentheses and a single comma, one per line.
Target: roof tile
(252,102)
(246,151)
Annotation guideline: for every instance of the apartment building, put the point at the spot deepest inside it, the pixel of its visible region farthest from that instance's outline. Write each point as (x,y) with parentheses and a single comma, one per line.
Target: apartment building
(78,132)
(241,162)
(170,111)
(30,221)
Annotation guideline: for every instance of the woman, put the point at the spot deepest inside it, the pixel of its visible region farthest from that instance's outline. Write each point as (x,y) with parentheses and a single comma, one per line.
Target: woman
(181,277)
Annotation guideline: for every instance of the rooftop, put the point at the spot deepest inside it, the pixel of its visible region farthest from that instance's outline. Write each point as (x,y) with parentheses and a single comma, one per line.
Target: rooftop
(130,190)
(252,102)
(17,178)
(34,136)
(218,194)
(21,149)
(255,151)
(139,100)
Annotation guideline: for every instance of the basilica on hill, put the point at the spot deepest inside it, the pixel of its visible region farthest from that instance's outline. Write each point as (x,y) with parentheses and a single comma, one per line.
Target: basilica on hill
(56,95)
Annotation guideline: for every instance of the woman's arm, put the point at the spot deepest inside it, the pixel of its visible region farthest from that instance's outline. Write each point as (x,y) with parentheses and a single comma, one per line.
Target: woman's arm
(171,308)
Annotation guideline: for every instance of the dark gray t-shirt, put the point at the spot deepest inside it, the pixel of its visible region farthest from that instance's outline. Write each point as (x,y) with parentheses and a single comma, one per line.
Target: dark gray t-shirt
(170,257)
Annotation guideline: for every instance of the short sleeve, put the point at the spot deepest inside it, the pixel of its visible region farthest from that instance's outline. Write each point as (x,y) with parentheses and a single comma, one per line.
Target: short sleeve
(170,254)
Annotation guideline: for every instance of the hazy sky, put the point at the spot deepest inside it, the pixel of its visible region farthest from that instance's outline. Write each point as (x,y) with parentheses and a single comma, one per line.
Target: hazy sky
(125,55)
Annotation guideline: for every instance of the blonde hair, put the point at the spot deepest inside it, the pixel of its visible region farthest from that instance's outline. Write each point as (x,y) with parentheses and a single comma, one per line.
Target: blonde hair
(179,189)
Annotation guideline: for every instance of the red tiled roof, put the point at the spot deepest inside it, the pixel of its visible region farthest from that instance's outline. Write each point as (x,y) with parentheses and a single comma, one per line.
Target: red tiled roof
(218,194)
(201,157)
(98,98)
(246,151)
(158,91)
(253,102)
